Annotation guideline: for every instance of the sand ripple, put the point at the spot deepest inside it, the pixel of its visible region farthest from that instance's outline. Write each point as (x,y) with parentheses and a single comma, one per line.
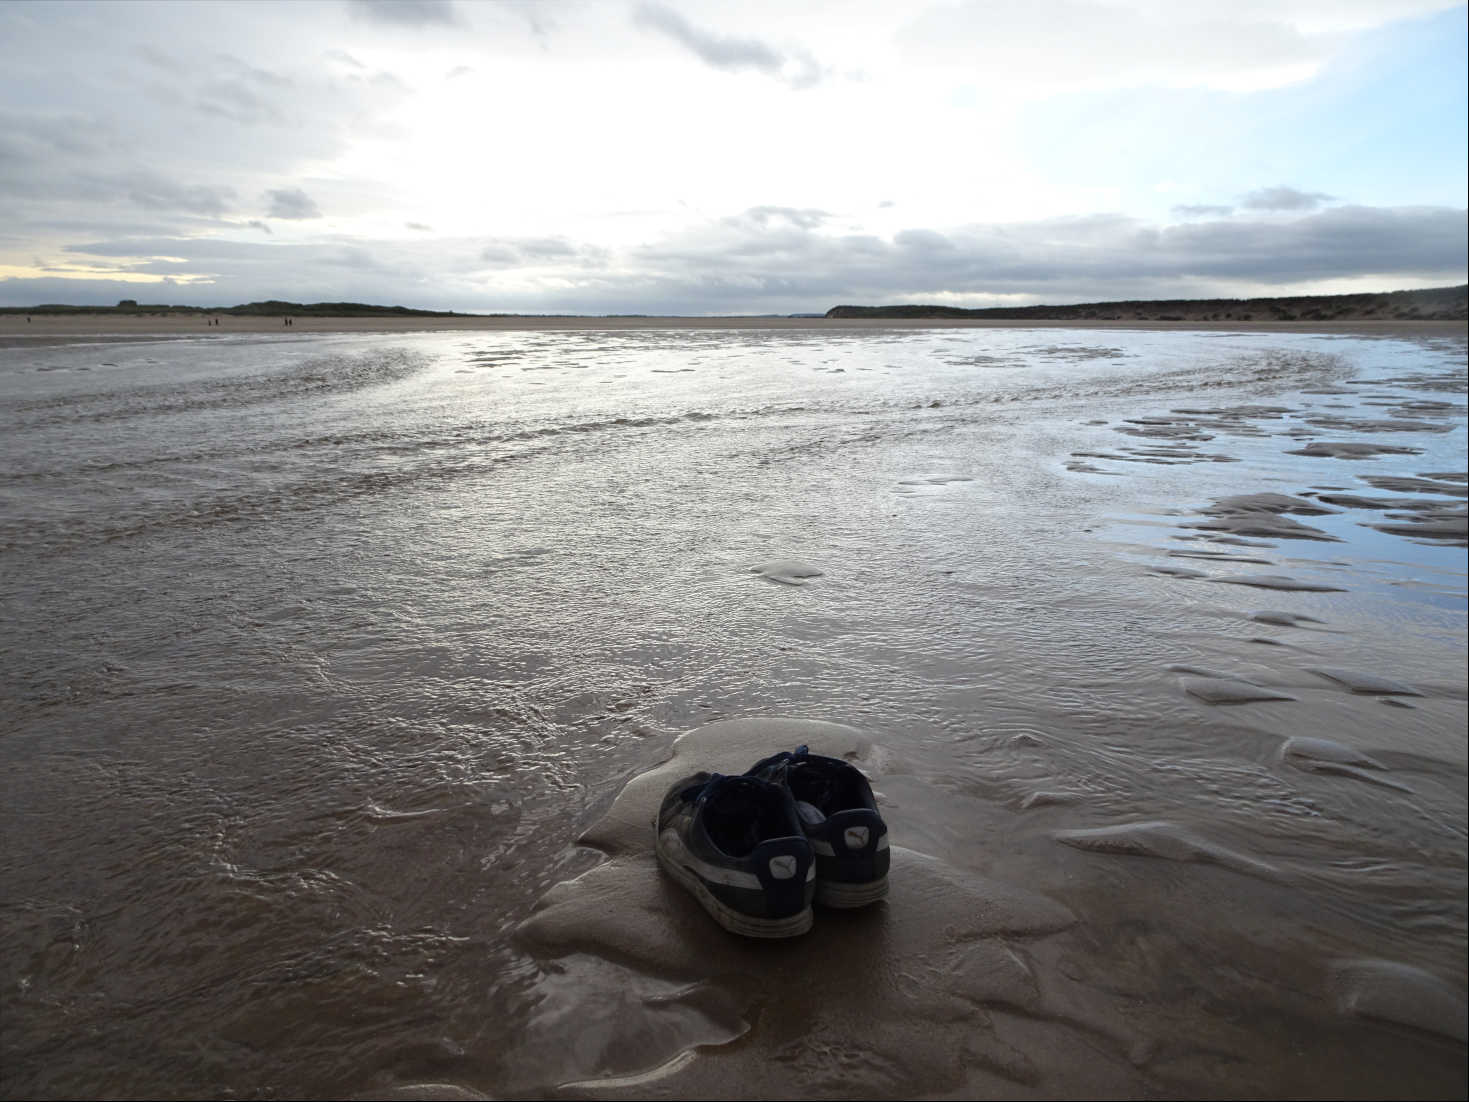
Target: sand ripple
(1400,993)
(1162,839)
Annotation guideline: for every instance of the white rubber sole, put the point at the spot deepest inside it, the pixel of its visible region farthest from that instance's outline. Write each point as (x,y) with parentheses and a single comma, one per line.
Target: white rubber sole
(731,919)
(830,893)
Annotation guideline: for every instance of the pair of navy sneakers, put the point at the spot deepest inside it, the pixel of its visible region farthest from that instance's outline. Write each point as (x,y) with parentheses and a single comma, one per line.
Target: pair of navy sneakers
(757,849)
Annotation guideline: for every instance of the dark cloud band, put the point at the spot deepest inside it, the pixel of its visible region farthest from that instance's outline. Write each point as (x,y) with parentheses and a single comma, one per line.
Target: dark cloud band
(783,259)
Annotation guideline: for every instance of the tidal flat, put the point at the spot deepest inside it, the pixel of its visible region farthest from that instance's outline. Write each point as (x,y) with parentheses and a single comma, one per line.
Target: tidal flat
(343,669)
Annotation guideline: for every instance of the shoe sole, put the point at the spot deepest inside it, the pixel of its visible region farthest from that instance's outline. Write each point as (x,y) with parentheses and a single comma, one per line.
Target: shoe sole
(731,919)
(835,893)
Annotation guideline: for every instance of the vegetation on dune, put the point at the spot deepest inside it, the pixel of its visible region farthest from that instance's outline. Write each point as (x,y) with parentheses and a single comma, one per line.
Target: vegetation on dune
(1432,304)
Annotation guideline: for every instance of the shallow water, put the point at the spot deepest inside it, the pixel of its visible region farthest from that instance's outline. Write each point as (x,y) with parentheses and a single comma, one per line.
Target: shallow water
(321,654)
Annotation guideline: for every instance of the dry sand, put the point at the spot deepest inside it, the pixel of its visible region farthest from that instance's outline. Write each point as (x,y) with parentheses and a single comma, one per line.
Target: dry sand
(176,325)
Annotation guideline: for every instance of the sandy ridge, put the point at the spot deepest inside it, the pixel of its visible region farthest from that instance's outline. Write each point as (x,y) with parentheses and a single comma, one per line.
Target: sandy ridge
(16,327)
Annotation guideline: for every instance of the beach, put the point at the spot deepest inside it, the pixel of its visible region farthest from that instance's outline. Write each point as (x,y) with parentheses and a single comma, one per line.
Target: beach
(346,664)
(176,325)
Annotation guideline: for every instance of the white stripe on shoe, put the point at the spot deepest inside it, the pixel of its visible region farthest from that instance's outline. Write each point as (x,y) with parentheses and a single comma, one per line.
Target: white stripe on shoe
(674,849)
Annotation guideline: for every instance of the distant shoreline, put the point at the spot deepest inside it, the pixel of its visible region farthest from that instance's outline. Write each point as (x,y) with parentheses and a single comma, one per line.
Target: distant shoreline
(15,329)
(1425,304)
(1429,304)
(1375,310)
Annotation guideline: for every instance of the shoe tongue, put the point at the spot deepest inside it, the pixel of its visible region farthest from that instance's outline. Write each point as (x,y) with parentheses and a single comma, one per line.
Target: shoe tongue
(810,814)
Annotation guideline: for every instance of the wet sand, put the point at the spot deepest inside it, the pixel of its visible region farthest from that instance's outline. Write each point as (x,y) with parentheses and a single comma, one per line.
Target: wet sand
(347,674)
(978,982)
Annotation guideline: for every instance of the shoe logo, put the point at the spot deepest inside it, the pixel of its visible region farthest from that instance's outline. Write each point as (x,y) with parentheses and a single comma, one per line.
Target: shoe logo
(856,837)
(783,867)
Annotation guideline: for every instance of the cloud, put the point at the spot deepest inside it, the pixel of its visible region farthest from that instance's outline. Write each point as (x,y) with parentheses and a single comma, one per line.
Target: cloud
(243,93)
(798,68)
(198,250)
(257,224)
(418,226)
(406,13)
(1200,210)
(292,203)
(159,59)
(1284,198)
(48,169)
(546,248)
(1330,244)
(540,251)
(806,218)
(1086,44)
(42,135)
(746,264)
(126,127)
(737,264)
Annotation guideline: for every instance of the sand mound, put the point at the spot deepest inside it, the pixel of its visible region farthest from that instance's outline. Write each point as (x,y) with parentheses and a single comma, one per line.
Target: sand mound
(787,571)
(1359,682)
(1346,450)
(1222,690)
(1281,582)
(891,995)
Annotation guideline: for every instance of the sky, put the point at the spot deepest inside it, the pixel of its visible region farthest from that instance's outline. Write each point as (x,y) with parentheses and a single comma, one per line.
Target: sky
(704,158)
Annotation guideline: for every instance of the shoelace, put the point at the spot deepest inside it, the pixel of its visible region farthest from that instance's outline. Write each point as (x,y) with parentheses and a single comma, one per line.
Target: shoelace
(695,792)
(785,757)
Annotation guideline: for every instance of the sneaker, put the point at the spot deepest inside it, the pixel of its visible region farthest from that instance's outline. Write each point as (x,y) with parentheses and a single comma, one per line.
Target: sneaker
(840,818)
(736,844)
